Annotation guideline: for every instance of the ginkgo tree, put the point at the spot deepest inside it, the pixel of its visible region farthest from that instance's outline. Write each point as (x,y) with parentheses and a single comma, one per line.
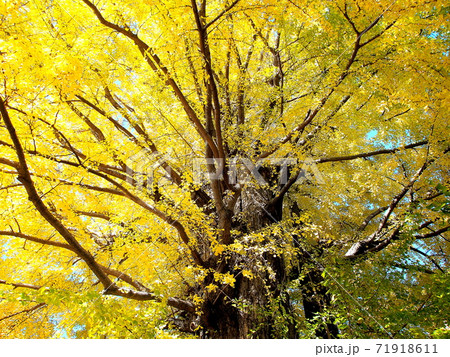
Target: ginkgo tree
(224,169)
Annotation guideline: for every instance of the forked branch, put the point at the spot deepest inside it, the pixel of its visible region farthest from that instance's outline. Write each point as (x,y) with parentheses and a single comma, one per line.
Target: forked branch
(158,67)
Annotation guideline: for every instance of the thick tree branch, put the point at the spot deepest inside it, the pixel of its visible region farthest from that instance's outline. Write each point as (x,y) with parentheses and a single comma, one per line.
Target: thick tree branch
(93,187)
(370,217)
(223,12)
(130,294)
(396,200)
(94,215)
(98,134)
(372,243)
(295,174)
(120,275)
(37,240)
(110,271)
(173,222)
(116,124)
(20,285)
(371,153)
(324,123)
(428,257)
(26,311)
(108,169)
(432,234)
(289,136)
(211,83)
(7,162)
(378,34)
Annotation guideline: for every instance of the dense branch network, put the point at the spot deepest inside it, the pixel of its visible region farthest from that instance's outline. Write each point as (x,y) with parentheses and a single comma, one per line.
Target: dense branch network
(73,245)
(237,232)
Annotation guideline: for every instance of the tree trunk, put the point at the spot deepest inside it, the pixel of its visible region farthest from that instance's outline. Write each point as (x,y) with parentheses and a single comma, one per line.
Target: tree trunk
(316,300)
(260,307)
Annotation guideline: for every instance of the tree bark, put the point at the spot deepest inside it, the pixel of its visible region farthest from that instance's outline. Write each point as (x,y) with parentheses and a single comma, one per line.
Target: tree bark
(253,307)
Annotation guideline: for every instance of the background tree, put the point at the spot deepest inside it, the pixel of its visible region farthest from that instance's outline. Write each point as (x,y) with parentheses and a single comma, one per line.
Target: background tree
(224,168)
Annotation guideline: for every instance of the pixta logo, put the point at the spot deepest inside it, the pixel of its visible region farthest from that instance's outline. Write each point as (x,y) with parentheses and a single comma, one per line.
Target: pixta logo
(146,168)
(240,171)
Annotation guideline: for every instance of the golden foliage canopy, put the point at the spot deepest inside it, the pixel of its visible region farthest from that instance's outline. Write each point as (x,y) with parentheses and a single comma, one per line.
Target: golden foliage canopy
(109,225)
